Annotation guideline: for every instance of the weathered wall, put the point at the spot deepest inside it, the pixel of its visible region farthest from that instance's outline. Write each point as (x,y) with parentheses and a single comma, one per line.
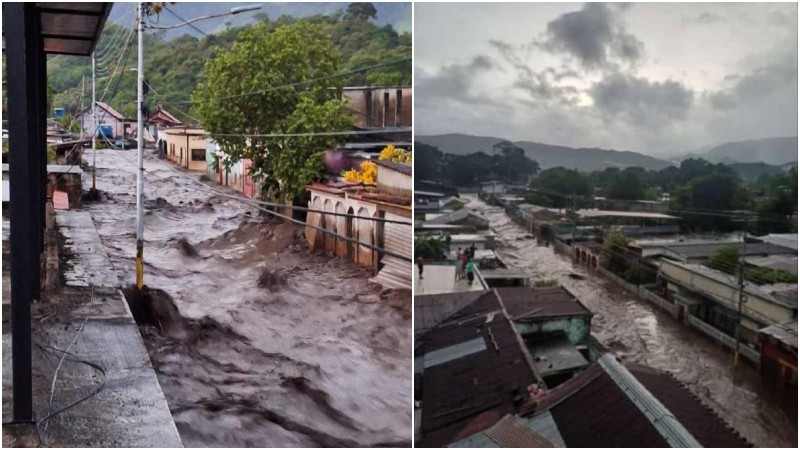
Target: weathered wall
(393,182)
(576,328)
(381,107)
(757,308)
(360,229)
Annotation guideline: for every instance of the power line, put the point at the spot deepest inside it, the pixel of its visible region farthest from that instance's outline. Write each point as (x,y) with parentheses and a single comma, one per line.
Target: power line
(197,29)
(321,133)
(301,83)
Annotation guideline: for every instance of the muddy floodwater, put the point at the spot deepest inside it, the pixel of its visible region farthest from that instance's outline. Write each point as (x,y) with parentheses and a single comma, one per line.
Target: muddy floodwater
(278,347)
(635,332)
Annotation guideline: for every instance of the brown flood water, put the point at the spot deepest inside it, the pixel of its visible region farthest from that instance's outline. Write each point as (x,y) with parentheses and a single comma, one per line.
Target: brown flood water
(281,347)
(635,332)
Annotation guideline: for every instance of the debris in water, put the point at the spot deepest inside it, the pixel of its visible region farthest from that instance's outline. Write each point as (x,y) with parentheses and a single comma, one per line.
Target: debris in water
(272,279)
(153,307)
(186,248)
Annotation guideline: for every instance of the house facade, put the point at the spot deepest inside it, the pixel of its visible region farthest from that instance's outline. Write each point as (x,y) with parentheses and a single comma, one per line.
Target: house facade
(380,107)
(106,115)
(186,147)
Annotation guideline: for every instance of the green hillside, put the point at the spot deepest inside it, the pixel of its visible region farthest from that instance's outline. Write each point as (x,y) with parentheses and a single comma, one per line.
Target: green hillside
(173,67)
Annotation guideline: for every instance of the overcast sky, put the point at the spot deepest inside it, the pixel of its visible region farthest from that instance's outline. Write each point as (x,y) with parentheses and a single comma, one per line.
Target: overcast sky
(661,79)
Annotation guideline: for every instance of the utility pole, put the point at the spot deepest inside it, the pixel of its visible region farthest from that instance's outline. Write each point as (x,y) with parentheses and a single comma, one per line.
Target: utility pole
(140,147)
(94,123)
(574,217)
(741,297)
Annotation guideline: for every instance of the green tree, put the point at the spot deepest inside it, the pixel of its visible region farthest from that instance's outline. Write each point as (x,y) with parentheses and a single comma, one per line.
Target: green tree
(430,248)
(560,184)
(512,164)
(361,11)
(628,185)
(726,260)
(613,253)
(427,162)
(282,66)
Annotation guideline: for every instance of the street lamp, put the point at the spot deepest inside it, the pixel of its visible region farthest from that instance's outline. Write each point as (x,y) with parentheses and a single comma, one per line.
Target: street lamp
(232,11)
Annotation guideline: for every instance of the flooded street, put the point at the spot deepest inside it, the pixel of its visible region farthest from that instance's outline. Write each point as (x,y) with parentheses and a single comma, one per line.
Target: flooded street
(280,347)
(636,333)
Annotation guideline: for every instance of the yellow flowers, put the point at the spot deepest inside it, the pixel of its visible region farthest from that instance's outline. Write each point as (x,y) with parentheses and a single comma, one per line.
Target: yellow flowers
(393,154)
(369,170)
(366,175)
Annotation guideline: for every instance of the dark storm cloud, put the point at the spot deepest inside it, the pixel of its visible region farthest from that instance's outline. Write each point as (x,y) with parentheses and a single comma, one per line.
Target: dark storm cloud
(592,36)
(757,84)
(640,100)
(540,86)
(453,82)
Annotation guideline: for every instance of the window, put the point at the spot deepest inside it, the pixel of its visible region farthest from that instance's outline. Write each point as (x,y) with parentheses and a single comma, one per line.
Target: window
(198,155)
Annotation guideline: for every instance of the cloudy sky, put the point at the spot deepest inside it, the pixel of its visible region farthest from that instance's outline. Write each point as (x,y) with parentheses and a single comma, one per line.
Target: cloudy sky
(661,79)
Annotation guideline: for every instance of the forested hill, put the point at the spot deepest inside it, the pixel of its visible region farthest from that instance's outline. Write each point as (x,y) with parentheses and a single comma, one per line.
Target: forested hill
(398,15)
(586,159)
(173,67)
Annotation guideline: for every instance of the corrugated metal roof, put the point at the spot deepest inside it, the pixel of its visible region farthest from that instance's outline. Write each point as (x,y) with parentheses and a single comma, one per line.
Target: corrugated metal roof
(453,352)
(785,332)
(531,304)
(509,433)
(596,213)
(784,240)
(470,394)
(676,435)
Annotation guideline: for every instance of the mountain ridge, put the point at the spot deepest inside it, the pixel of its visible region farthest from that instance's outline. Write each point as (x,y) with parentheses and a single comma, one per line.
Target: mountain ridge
(547,155)
(774,151)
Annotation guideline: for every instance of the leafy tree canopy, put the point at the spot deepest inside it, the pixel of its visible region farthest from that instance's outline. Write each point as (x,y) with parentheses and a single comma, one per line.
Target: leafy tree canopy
(283,66)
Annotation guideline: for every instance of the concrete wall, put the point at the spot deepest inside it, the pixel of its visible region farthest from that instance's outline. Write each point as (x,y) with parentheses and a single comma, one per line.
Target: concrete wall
(362,230)
(757,309)
(576,328)
(87,121)
(181,143)
(393,182)
(381,106)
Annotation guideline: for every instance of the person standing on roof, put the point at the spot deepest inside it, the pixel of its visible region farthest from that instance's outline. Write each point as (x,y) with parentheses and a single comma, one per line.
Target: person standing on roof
(459,254)
(470,272)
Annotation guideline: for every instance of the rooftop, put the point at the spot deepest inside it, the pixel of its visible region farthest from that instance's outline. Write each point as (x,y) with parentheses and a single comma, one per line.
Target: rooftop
(432,309)
(783,294)
(608,405)
(403,168)
(784,240)
(784,332)
(475,372)
(461,216)
(441,279)
(598,213)
(782,262)
(555,354)
(707,250)
(532,304)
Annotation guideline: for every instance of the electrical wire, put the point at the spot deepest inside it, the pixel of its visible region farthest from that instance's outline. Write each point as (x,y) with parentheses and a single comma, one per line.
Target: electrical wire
(197,29)
(301,83)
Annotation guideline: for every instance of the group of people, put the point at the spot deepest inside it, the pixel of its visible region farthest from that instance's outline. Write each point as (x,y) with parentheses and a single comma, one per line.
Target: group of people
(465,266)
